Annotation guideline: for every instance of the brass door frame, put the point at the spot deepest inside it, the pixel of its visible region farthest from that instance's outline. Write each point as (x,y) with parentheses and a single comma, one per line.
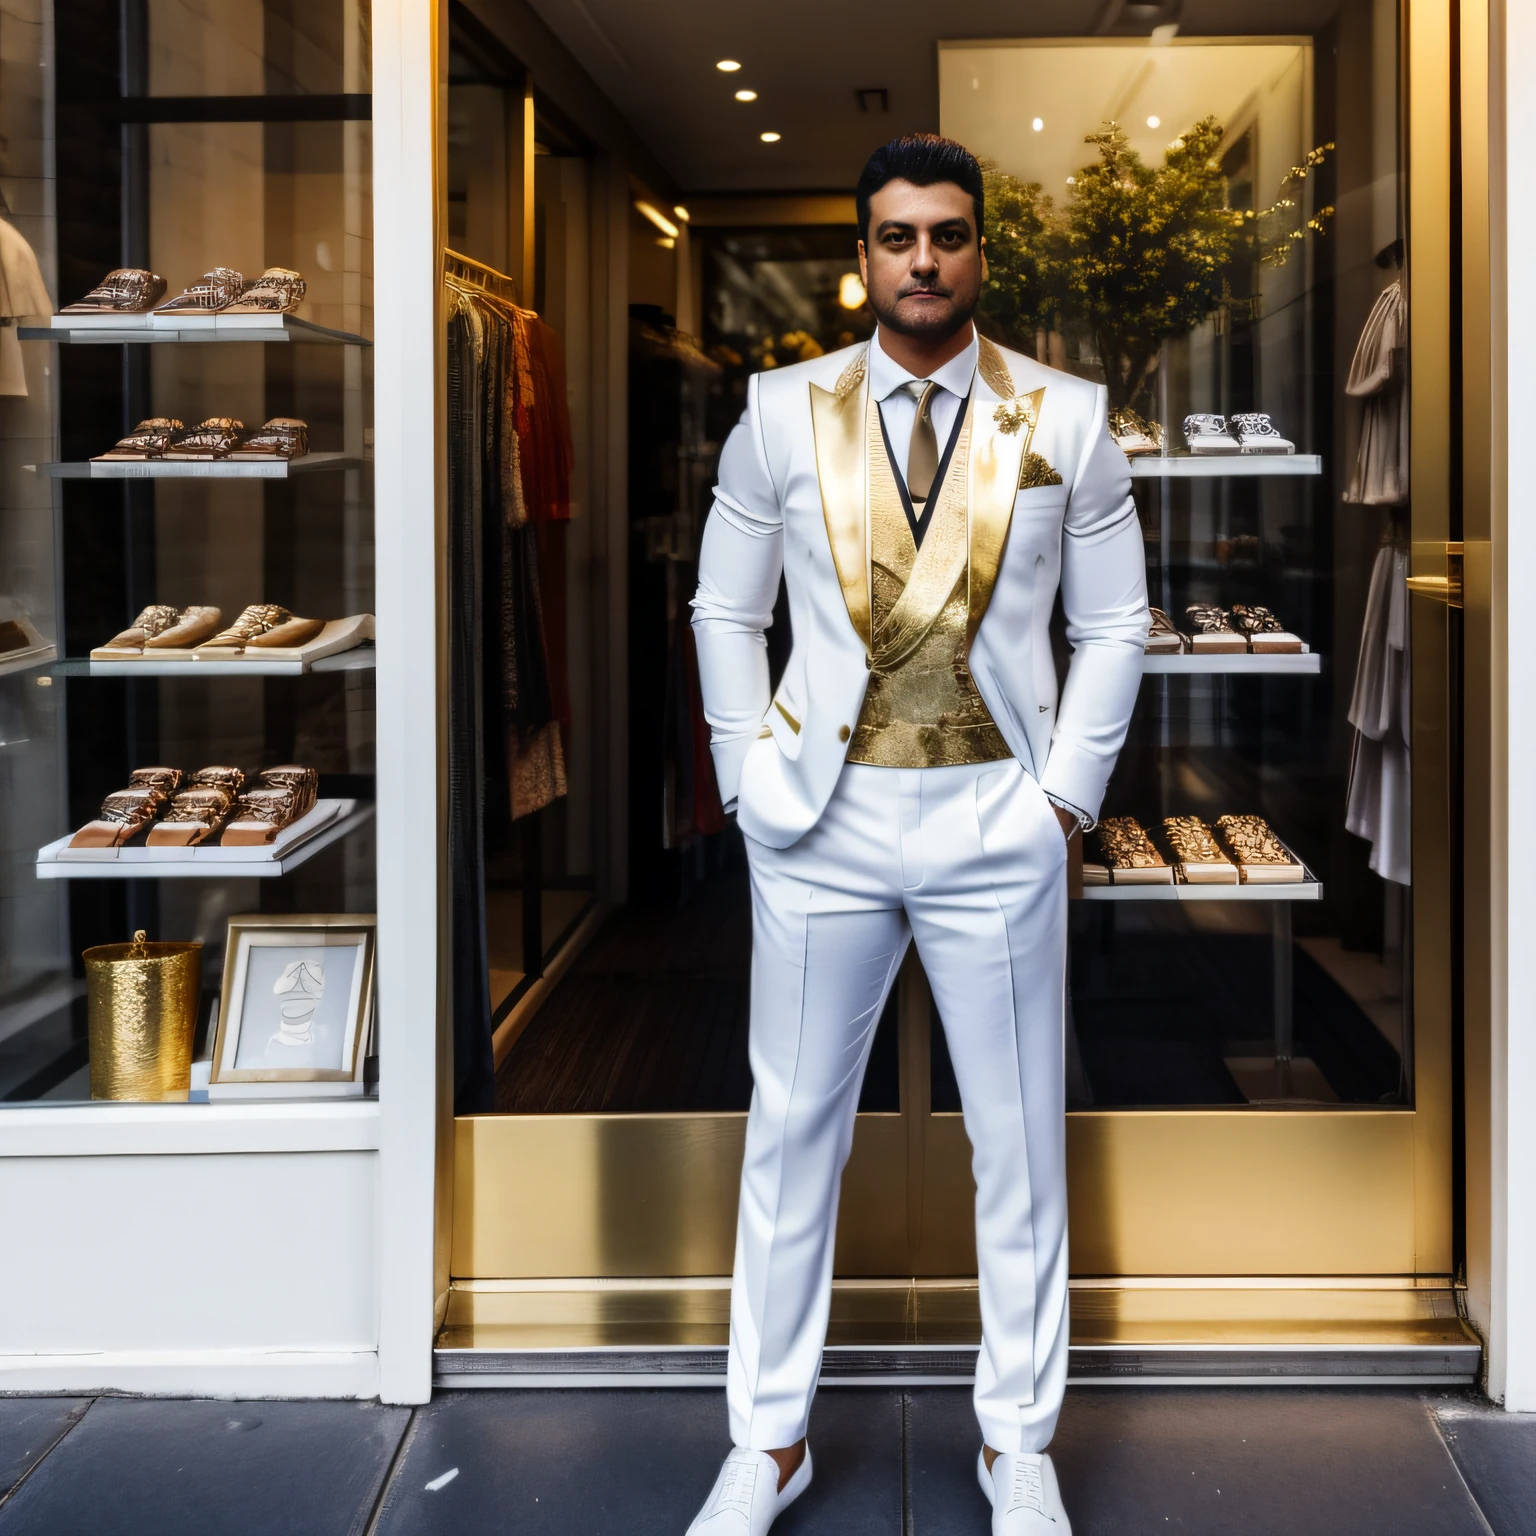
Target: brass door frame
(1298,1194)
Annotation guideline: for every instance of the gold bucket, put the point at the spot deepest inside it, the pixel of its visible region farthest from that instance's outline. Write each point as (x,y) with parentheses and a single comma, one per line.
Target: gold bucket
(142,1004)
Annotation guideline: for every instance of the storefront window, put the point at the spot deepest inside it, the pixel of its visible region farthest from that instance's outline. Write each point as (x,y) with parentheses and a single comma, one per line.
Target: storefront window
(1214,230)
(198,475)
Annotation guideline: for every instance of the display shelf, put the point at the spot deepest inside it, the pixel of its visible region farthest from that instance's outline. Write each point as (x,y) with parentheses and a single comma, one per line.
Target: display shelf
(28,660)
(1214,466)
(200,469)
(107,330)
(1306,663)
(50,867)
(1301,890)
(363,659)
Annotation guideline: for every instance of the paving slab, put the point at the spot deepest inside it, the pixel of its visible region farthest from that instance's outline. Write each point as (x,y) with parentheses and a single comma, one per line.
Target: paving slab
(1211,1461)
(627,1463)
(29,1428)
(156,1467)
(1496,1452)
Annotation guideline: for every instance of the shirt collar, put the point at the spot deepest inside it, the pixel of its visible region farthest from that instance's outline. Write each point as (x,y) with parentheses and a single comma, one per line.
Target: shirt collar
(886,377)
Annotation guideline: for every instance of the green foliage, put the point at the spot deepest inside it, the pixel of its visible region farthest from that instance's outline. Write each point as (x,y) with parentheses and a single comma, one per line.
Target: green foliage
(1026,271)
(1140,253)
(1148,248)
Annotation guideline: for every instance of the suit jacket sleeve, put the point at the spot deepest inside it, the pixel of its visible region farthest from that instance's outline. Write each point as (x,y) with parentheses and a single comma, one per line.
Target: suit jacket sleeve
(740,561)
(1104,595)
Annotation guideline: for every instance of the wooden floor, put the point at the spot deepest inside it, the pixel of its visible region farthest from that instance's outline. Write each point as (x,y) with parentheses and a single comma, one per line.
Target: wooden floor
(652,1016)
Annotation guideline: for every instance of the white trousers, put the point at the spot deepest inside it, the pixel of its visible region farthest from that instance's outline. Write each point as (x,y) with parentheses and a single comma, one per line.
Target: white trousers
(971,863)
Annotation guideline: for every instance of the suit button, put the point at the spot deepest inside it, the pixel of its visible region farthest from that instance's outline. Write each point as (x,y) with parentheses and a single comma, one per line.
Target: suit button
(843,733)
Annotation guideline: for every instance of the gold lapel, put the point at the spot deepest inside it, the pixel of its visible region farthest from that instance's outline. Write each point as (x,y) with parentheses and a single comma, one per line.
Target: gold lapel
(1003,428)
(837,420)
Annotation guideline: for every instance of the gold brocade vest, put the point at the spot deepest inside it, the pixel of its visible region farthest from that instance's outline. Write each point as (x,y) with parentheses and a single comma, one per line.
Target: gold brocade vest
(921,709)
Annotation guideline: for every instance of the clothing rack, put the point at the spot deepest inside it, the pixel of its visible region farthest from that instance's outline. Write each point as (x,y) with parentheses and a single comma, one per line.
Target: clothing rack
(465,269)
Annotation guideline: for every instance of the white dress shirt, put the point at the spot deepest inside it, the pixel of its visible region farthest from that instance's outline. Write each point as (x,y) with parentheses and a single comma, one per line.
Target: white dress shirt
(898,405)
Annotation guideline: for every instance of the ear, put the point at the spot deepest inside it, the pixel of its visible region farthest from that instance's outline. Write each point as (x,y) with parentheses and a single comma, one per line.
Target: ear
(863,266)
(983,258)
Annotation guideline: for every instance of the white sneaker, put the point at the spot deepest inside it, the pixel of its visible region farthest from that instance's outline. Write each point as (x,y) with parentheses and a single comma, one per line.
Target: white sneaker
(1023,1494)
(746,1499)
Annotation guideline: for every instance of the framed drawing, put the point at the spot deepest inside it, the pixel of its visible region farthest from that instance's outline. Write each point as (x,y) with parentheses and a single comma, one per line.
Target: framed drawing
(296,1007)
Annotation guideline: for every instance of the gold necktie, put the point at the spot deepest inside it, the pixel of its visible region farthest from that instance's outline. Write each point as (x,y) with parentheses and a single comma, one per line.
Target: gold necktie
(923,452)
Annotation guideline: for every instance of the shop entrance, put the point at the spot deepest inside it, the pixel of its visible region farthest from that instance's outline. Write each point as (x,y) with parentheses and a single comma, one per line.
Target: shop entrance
(1261,1138)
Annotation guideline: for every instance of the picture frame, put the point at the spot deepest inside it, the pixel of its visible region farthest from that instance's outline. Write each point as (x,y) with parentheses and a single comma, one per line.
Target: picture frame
(296,1006)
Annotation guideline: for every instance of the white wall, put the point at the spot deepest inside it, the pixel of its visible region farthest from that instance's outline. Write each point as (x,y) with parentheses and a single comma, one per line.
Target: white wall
(228,1250)
(1511,1321)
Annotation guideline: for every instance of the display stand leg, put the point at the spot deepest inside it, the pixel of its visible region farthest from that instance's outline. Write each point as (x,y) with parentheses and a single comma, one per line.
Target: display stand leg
(1284,979)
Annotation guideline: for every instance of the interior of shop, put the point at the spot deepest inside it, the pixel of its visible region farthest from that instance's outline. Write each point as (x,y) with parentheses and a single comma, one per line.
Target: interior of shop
(1305,1000)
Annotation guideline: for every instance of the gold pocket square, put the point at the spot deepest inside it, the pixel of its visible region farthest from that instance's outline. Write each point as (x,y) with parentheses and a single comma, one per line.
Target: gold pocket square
(1036,471)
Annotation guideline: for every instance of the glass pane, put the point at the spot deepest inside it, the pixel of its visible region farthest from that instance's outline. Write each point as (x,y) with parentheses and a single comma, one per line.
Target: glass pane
(82,556)
(276,48)
(1212,228)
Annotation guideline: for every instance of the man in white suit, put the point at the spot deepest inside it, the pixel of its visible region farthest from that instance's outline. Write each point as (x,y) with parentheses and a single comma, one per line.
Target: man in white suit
(913,777)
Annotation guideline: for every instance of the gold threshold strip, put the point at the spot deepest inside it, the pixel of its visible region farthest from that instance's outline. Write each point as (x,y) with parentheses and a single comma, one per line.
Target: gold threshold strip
(1324,1312)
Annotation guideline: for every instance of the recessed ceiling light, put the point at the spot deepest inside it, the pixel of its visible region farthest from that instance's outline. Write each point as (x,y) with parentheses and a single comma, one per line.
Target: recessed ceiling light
(746,95)
(680,211)
(728,66)
(1154,121)
(1038,124)
(770,137)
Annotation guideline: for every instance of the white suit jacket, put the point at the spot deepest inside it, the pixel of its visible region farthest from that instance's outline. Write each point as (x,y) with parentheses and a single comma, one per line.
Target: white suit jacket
(792,498)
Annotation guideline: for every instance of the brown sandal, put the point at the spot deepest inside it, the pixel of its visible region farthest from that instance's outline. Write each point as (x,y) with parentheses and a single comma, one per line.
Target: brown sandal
(278,291)
(284,437)
(281,797)
(263,626)
(126,291)
(211,439)
(217,291)
(148,440)
(199,810)
(163,627)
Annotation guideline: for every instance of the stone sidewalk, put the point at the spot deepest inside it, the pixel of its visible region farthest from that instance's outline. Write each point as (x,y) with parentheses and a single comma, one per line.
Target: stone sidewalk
(1213,1461)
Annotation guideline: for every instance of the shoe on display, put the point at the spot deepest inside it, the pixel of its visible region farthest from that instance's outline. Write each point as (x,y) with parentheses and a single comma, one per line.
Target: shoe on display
(277,291)
(210,439)
(1266,634)
(1024,1495)
(1256,433)
(284,437)
(746,1498)
(218,290)
(1206,433)
(148,440)
(1133,433)
(1165,640)
(127,291)
(162,627)
(262,626)
(1212,631)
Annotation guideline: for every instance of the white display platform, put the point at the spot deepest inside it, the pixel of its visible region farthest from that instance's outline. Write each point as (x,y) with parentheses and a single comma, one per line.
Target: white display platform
(330,819)
(105,329)
(1304,662)
(1215,466)
(360,659)
(1300,890)
(338,639)
(199,469)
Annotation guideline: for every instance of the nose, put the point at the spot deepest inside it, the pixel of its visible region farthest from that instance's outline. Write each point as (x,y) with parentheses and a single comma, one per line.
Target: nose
(925,259)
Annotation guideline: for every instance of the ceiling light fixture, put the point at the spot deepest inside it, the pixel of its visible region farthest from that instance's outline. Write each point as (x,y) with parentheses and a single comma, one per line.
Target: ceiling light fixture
(746,95)
(681,212)
(1154,121)
(658,218)
(770,137)
(728,66)
(1038,124)
(850,291)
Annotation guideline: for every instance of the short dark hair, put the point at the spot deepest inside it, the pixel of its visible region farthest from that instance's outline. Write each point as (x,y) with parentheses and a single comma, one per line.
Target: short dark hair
(924,159)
